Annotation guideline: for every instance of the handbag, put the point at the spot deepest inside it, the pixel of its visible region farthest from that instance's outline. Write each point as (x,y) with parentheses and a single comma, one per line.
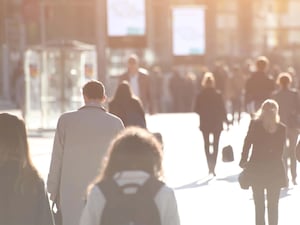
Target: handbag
(56,213)
(227,151)
(227,154)
(244,179)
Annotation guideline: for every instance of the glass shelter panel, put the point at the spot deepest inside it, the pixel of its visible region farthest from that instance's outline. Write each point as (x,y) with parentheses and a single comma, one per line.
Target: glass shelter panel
(54,79)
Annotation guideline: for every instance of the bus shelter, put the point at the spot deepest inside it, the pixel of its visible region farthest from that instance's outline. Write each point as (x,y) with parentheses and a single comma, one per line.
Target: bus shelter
(54,76)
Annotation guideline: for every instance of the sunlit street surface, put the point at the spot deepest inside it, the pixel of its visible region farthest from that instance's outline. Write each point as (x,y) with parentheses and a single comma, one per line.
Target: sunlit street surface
(201,199)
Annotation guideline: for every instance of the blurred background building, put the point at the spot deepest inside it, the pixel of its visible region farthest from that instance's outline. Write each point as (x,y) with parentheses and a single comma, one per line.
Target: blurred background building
(235,30)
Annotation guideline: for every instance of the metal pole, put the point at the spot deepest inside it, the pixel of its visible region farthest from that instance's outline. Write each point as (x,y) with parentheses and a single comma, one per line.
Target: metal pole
(101,39)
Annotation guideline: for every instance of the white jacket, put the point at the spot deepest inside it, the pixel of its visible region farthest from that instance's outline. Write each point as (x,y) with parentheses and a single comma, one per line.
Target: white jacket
(165,200)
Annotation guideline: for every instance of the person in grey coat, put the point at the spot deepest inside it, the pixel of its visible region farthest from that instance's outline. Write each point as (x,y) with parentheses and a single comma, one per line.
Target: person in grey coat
(289,110)
(80,143)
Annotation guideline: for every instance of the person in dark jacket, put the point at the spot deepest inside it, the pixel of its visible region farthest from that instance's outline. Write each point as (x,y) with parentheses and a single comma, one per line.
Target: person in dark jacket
(265,168)
(127,106)
(23,198)
(289,110)
(210,107)
(260,85)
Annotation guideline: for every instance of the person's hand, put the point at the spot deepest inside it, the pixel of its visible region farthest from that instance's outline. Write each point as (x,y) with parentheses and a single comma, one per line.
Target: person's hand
(243,164)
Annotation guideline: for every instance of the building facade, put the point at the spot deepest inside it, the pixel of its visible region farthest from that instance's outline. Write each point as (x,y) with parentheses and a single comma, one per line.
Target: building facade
(236,29)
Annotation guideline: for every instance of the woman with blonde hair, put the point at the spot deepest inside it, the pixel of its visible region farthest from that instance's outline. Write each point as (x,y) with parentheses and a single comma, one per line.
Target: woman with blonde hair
(23,198)
(266,136)
(210,107)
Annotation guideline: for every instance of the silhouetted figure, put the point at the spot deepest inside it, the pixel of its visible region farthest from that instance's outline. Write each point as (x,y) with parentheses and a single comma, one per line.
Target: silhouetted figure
(176,84)
(259,85)
(127,106)
(139,81)
(23,198)
(210,107)
(80,142)
(289,109)
(266,136)
(156,87)
(133,159)
(236,86)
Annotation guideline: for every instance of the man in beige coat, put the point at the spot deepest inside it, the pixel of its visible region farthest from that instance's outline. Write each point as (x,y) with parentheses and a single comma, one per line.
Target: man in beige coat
(80,143)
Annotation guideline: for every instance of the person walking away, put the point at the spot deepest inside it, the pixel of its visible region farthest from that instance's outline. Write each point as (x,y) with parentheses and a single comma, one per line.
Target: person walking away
(260,85)
(80,142)
(139,80)
(127,107)
(266,136)
(133,165)
(289,109)
(23,197)
(210,107)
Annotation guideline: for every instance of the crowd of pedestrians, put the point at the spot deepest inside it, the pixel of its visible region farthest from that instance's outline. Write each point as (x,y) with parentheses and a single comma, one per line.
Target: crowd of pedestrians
(103,159)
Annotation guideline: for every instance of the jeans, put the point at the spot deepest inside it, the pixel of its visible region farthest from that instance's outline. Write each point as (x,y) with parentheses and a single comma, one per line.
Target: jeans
(272,194)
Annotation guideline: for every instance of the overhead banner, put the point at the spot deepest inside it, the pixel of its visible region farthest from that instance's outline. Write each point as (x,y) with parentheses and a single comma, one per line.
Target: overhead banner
(126,21)
(188,31)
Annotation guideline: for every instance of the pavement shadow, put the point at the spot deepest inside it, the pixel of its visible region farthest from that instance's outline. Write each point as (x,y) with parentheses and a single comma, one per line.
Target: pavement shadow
(198,183)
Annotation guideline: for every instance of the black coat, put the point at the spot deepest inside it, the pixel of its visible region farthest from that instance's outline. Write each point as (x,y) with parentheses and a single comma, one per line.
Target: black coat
(209,105)
(29,207)
(144,88)
(130,112)
(265,164)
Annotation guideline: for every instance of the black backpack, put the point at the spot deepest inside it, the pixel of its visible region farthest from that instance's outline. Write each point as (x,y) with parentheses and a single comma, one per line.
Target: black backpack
(136,208)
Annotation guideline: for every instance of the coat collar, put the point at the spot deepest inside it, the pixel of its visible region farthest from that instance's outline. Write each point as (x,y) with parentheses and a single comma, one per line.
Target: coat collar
(93,105)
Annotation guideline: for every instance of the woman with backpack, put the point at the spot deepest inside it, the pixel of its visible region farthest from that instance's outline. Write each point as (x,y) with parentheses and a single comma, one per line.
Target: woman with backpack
(129,189)
(23,199)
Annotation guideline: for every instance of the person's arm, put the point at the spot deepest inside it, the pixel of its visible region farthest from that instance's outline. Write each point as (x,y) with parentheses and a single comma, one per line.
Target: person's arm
(91,214)
(54,176)
(44,215)
(247,145)
(167,206)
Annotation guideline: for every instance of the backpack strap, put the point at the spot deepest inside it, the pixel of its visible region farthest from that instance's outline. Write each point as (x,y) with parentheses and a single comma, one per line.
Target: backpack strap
(151,187)
(110,188)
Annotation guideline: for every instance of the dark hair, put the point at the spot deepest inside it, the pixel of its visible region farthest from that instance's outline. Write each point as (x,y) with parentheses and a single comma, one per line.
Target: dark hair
(93,89)
(123,92)
(14,148)
(133,149)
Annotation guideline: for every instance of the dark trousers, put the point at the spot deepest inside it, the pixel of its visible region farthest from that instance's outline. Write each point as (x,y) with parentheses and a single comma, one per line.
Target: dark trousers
(211,157)
(272,194)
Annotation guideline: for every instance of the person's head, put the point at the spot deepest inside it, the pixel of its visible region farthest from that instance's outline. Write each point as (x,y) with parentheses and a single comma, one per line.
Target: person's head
(208,80)
(133,149)
(133,63)
(123,91)
(13,140)
(262,63)
(284,80)
(269,115)
(94,91)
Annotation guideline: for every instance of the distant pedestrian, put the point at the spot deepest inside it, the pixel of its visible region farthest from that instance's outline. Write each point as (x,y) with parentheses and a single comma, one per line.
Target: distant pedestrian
(139,80)
(289,112)
(265,167)
(134,160)
(80,142)
(210,107)
(260,85)
(23,197)
(127,106)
